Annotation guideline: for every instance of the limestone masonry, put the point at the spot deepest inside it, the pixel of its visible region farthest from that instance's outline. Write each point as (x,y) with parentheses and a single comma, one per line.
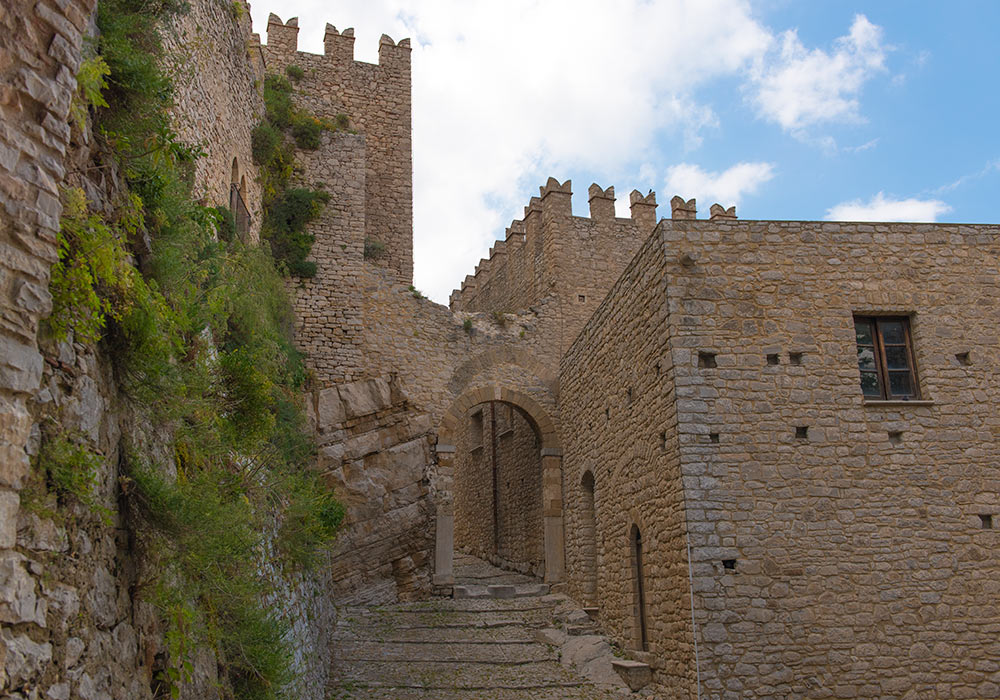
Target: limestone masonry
(763,454)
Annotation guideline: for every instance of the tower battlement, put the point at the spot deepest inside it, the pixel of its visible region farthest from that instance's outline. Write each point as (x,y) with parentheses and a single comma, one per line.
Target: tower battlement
(377,99)
(550,251)
(338,46)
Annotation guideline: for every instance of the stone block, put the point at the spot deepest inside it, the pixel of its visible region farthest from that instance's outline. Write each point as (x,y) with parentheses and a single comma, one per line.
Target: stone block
(636,674)
(330,411)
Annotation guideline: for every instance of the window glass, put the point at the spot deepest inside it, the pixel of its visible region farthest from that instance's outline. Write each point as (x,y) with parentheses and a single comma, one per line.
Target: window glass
(884,357)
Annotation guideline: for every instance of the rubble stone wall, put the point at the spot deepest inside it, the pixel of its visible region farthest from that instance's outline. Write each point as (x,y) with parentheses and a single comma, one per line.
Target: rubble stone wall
(552,254)
(502,525)
(619,420)
(861,565)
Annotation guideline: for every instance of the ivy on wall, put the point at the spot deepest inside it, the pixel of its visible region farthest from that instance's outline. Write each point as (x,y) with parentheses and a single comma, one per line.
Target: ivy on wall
(198,324)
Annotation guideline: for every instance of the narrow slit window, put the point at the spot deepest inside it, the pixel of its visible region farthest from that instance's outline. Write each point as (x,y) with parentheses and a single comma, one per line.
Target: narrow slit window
(885,357)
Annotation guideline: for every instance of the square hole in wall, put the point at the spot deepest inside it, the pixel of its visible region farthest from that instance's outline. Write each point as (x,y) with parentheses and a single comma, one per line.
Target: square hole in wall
(663,441)
(986,521)
(802,431)
(895,437)
(963,358)
(581,298)
(795,358)
(729,564)
(773,359)
(713,437)
(706,360)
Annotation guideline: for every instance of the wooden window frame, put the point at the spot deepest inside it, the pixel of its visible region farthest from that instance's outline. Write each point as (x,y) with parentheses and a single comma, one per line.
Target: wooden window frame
(881,363)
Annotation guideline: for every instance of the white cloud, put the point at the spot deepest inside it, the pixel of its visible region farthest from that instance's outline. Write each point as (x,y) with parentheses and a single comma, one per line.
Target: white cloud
(802,88)
(726,188)
(506,94)
(882,208)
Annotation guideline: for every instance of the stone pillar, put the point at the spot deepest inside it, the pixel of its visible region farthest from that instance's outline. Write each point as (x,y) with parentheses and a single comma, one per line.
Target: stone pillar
(555,556)
(444,539)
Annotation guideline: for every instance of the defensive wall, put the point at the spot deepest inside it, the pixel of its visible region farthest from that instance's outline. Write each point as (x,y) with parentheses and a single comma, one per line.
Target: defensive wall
(376,98)
(798,539)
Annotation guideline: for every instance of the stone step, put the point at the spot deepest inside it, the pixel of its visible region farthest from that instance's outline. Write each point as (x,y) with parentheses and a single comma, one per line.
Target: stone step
(513,634)
(484,604)
(352,692)
(500,591)
(429,675)
(458,652)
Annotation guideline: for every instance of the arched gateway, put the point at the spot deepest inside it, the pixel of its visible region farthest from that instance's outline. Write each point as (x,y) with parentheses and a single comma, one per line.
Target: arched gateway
(463,415)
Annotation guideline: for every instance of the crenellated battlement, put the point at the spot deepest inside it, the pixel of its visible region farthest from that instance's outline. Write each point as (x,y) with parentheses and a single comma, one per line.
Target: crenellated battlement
(551,249)
(283,39)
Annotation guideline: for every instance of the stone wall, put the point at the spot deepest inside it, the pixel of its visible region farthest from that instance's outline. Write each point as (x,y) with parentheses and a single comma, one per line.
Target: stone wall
(499,521)
(847,558)
(216,100)
(619,420)
(862,567)
(551,254)
(376,99)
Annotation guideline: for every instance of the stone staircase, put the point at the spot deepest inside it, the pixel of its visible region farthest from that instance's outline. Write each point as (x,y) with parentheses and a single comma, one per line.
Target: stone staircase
(480,645)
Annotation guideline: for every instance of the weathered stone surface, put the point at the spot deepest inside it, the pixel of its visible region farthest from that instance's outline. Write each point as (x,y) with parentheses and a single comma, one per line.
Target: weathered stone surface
(25,658)
(329,409)
(636,674)
(18,599)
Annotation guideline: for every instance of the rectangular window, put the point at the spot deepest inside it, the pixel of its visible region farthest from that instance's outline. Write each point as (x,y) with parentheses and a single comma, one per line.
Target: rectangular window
(885,357)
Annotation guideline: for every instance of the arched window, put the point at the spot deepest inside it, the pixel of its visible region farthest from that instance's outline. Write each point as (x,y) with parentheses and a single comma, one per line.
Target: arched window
(237,200)
(588,535)
(638,591)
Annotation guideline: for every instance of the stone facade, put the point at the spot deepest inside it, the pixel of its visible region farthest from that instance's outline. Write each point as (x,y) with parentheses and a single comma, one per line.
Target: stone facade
(664,419)
(848,558)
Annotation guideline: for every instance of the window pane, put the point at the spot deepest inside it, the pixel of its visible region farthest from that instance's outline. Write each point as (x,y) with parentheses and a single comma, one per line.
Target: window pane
(869,384)
(866,357)
(899,384)
(892,332)
(863,331)
(895,357)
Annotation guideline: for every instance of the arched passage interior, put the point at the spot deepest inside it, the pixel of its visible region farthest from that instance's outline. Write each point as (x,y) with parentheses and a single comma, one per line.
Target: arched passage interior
(500,484)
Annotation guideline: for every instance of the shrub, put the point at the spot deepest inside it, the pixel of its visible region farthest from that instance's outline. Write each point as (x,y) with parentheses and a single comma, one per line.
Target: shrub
(306,131)
(374,248)
(467,325)
(278,105)
(294,72)
(417,294)
(265,143)
(284,228)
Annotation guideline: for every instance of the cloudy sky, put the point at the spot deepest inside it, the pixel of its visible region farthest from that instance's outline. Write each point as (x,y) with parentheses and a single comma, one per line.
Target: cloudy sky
(789,109)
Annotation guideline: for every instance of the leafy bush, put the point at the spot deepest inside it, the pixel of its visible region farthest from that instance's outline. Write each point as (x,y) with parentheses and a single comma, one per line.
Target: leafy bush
(201,341)
(294,72)
(306,131)
(374,248)
(284,227)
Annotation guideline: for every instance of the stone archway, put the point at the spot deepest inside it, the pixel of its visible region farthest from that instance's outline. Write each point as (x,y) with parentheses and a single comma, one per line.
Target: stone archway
(551,460)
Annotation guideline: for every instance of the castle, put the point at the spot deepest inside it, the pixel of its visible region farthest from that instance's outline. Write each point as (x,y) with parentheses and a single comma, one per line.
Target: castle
(764,451)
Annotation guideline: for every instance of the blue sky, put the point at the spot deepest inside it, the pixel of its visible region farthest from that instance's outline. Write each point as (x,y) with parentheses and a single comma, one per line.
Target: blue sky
(789,110)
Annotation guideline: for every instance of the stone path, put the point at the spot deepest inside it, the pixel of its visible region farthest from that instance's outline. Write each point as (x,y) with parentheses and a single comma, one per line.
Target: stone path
(479,646)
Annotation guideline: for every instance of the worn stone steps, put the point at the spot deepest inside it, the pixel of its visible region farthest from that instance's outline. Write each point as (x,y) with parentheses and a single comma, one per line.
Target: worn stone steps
(440,635)
(352,692)
(481,644)
(451,675)
(464,651)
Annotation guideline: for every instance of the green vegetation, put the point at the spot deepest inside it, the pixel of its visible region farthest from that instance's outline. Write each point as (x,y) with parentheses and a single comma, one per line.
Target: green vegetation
(417,294)
(374,248)
(70,470)
(294,72)
(199,327)
(467,326)
(288,208)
